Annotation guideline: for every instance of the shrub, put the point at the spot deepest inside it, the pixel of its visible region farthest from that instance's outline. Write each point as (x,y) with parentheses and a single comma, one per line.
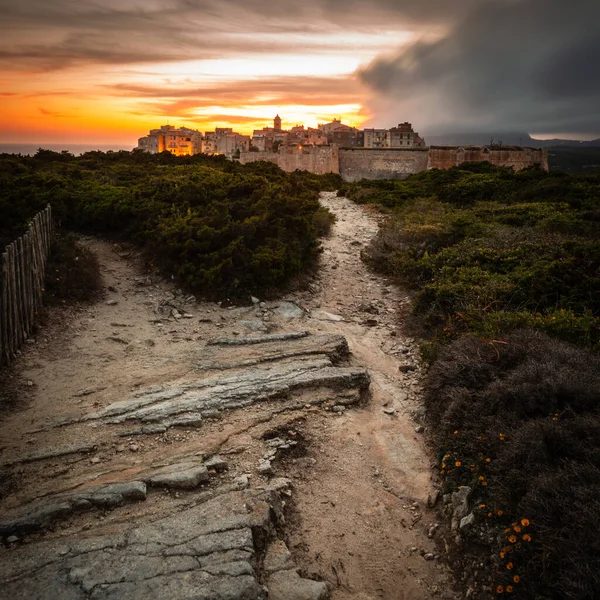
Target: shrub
(515,414)
(220,227)
(520,258)
(521,418)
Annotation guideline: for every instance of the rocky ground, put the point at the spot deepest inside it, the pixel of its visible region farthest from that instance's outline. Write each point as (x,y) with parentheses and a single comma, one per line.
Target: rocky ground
(167,448)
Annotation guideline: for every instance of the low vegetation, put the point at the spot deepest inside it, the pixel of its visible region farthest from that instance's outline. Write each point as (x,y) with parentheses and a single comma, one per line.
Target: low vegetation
(518,420)
(221,228)
(488,250)
(505,269)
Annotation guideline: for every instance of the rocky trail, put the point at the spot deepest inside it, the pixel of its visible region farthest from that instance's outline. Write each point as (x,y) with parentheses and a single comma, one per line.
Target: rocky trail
(175,449)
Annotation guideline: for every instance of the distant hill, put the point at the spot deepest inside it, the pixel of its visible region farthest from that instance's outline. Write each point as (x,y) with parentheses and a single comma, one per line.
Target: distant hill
(574,159)
(514,138)
(575,143)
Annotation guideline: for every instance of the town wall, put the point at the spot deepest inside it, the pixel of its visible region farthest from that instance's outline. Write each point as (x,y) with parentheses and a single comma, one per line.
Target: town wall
(369,163)
(354,164)
(249,157)
(445,157)
(315,159)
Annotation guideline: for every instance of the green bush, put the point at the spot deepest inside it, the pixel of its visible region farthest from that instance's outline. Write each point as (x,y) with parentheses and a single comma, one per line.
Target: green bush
(220,227)
(516,255)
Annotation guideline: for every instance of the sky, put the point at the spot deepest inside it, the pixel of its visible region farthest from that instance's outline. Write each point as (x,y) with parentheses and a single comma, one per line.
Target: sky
(107,71)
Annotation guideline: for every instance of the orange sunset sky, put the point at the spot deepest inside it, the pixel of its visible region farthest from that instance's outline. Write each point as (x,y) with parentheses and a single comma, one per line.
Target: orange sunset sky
(106,71)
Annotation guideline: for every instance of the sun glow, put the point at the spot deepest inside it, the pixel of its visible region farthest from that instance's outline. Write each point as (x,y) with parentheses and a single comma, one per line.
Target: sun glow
(311,82)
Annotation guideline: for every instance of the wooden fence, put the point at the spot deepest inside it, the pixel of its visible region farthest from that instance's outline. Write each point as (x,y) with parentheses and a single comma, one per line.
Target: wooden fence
(22,283)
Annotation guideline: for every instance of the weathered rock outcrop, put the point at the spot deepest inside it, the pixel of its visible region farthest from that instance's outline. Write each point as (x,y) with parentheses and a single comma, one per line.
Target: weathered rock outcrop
(208,551)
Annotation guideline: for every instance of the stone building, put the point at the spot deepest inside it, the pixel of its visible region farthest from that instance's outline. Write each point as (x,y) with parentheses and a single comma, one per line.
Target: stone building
(342,135)
(230,143)
(269,138)
(183,141)
(376,138)
(301,136)
(334,125)
(404,136)
(179,141)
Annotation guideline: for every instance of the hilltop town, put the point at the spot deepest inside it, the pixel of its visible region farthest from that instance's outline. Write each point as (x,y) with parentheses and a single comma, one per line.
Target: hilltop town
(183,141)
(334,147)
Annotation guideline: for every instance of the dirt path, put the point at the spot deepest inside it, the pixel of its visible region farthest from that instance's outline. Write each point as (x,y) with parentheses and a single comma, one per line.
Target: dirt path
(372,483)
(359,518)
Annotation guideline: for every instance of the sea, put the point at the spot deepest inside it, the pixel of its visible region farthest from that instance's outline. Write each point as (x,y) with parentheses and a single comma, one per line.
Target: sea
(76,149)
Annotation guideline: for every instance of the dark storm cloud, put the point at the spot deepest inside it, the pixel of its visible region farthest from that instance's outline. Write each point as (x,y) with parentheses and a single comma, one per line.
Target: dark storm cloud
(55,34)
(530,65)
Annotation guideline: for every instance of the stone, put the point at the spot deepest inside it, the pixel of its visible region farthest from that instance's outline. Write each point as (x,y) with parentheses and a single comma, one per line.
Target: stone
(280,484)
(12,539)
(183,476)
(89,391)
(229,391)
(429,556)
(216,462)
(112,302)
(254,325)
(433,498)
(406,368)
(113,494)
(467,522)
(389,410)
(190,419)
(203,551)
(259,339)
(95,460)
(369,308)
(134,447)
(265,467)
(278,558)
(254,300)
(56,453)
(289,310)
(460,505)
(322,315)
(419,429)
(288,585)
(38,514)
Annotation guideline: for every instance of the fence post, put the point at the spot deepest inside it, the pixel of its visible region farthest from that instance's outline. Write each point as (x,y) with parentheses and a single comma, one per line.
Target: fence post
(21,283)
(4,320)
